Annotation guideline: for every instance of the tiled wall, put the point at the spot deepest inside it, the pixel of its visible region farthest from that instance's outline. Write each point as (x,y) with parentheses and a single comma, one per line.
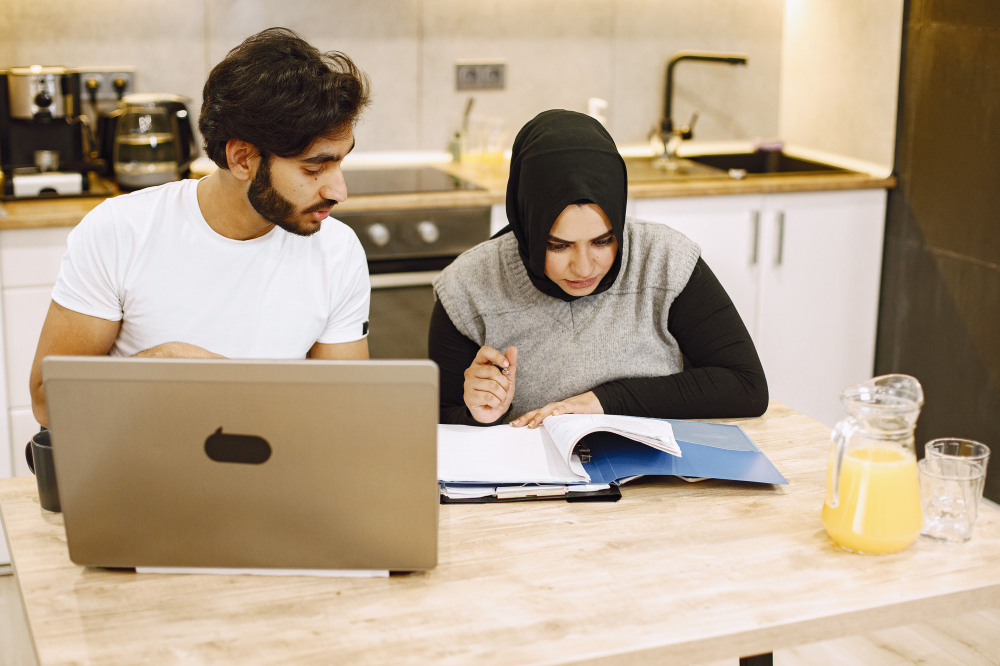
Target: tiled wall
(559,54)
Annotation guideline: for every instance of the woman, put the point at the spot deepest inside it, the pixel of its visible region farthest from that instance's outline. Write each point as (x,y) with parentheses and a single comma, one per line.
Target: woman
(595,313)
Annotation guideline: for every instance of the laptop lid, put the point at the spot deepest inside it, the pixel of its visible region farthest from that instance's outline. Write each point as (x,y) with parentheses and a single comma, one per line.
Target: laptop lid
(266,464)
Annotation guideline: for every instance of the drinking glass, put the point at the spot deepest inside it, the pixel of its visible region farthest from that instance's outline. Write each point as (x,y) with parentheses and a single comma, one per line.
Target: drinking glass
(951,488)
(483,141)
(952,447)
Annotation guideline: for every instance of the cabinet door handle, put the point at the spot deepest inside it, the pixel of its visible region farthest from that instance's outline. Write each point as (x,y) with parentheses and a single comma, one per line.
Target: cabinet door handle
(779,250)
(755,241)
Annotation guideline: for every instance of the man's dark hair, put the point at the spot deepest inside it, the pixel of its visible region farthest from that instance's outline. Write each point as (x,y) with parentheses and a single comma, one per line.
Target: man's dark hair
(280,94)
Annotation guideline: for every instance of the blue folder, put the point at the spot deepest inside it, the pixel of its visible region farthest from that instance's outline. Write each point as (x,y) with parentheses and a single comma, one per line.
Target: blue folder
(712,450)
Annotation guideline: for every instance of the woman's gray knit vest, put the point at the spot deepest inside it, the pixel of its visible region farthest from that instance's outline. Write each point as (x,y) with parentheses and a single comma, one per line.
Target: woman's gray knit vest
(565,349)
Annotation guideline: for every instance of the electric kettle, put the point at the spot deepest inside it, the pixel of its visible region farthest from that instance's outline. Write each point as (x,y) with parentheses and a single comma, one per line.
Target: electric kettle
(153,140)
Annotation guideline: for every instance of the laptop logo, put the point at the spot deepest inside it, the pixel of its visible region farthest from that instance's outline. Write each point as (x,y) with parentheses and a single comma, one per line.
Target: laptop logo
(233,448)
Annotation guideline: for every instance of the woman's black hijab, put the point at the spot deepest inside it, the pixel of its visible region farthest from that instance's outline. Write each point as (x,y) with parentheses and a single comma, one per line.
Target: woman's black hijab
(562,158)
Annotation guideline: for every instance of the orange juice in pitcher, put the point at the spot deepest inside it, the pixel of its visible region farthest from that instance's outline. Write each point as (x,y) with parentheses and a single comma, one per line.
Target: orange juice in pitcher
(872,498)
(879,507)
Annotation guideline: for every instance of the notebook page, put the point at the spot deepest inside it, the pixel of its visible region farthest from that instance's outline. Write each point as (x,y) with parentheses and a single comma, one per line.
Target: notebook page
(500,455)
(568,429)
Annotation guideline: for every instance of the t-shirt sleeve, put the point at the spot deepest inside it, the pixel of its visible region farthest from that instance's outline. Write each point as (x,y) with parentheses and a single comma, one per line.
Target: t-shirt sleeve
(351,297)
(88,280)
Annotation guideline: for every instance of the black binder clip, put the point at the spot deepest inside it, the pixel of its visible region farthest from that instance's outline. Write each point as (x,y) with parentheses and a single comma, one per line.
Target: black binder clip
(584,453)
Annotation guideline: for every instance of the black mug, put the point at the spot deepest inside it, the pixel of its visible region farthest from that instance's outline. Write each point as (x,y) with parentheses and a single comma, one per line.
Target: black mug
(39,455)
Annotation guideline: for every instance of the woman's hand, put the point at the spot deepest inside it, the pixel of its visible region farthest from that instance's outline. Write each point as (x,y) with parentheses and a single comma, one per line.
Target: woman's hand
(585,403)
(489,389)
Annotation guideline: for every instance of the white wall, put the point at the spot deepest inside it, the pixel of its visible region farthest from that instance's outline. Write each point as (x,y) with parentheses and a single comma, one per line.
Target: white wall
(840,76)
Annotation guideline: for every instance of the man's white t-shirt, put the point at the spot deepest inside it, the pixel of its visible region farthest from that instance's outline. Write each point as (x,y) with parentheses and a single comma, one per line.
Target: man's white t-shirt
(150,259)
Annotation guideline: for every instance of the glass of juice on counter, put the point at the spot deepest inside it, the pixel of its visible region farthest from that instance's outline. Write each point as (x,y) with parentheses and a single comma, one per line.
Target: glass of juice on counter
(484,141)
(872,493)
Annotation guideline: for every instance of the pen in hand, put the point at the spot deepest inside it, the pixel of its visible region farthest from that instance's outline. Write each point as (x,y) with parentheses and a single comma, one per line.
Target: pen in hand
(489,383)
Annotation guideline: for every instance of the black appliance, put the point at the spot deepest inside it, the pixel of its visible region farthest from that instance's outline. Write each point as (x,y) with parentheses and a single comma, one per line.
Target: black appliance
(42,149)
(403,180)
(406,250)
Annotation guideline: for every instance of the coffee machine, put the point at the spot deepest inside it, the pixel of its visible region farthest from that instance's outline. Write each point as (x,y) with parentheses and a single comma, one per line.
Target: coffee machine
(42,149)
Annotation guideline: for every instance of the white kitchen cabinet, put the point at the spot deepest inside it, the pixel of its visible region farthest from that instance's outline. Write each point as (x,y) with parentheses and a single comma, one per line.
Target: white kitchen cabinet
(29,264)
(6,470)
(727,229)
(803,270)
(18,425)
(819,295)
(31,257)
(24,312)
(498,217)
(22,428)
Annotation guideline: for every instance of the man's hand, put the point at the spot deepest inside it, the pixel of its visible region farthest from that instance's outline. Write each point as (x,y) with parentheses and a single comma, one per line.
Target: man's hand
(585,403)
(177,350)
(489,383)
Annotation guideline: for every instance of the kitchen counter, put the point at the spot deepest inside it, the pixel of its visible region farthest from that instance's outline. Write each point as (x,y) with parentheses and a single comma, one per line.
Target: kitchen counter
(496,183)
(68,212)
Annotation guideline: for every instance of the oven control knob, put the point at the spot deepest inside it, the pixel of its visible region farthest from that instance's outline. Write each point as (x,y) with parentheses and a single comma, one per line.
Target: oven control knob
(429,232)
(379,234)
(43,100)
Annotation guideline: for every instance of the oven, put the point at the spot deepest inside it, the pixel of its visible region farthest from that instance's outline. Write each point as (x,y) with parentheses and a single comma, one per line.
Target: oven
(406,250)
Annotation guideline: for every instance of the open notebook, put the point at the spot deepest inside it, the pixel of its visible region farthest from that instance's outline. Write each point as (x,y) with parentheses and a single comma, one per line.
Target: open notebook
(590,454)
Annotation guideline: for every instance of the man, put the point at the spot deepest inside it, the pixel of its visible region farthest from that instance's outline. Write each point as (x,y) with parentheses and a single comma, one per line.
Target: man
(198,269)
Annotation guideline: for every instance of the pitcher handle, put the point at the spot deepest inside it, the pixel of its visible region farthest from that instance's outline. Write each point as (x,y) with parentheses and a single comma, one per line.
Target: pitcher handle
(842,432)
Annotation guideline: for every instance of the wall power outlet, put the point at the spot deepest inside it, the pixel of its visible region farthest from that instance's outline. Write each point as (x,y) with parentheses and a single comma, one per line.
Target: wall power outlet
(480,75)
(103,79)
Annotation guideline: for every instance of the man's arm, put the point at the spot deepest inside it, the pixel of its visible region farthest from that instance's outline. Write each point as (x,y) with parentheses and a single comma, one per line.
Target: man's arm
(67,333)
(176,350)
(341,351)
(70,333)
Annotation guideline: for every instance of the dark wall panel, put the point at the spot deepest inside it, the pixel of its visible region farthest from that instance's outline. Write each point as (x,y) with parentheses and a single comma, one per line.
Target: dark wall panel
(939,316)
(954,159)
(971,13)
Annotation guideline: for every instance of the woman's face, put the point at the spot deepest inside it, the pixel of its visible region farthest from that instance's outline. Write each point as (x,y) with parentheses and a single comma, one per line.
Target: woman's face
(581,249)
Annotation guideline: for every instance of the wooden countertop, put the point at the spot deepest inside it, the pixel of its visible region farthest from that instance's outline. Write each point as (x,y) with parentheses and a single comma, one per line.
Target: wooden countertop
(673,573)
(68,212)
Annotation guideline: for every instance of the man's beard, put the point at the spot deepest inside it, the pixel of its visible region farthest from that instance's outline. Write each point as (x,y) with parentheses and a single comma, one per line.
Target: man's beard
(276,209)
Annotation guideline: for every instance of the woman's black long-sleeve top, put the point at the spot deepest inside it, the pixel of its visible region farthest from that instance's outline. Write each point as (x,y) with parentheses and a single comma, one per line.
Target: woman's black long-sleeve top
(722,374)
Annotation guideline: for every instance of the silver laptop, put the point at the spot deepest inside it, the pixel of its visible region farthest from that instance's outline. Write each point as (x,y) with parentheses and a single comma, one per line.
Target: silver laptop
(250,464)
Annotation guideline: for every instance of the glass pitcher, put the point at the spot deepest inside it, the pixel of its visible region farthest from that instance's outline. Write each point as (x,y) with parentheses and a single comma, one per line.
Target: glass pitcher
(872,493)
(154,143)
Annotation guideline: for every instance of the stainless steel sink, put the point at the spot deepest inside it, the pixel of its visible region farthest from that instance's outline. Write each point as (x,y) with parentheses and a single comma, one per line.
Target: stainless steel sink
(726,166)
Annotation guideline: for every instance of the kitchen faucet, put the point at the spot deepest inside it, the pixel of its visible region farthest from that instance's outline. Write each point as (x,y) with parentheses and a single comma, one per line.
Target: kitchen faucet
(668,133)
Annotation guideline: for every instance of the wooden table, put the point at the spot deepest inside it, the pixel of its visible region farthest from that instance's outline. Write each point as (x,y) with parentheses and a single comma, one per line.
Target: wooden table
(673,573)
